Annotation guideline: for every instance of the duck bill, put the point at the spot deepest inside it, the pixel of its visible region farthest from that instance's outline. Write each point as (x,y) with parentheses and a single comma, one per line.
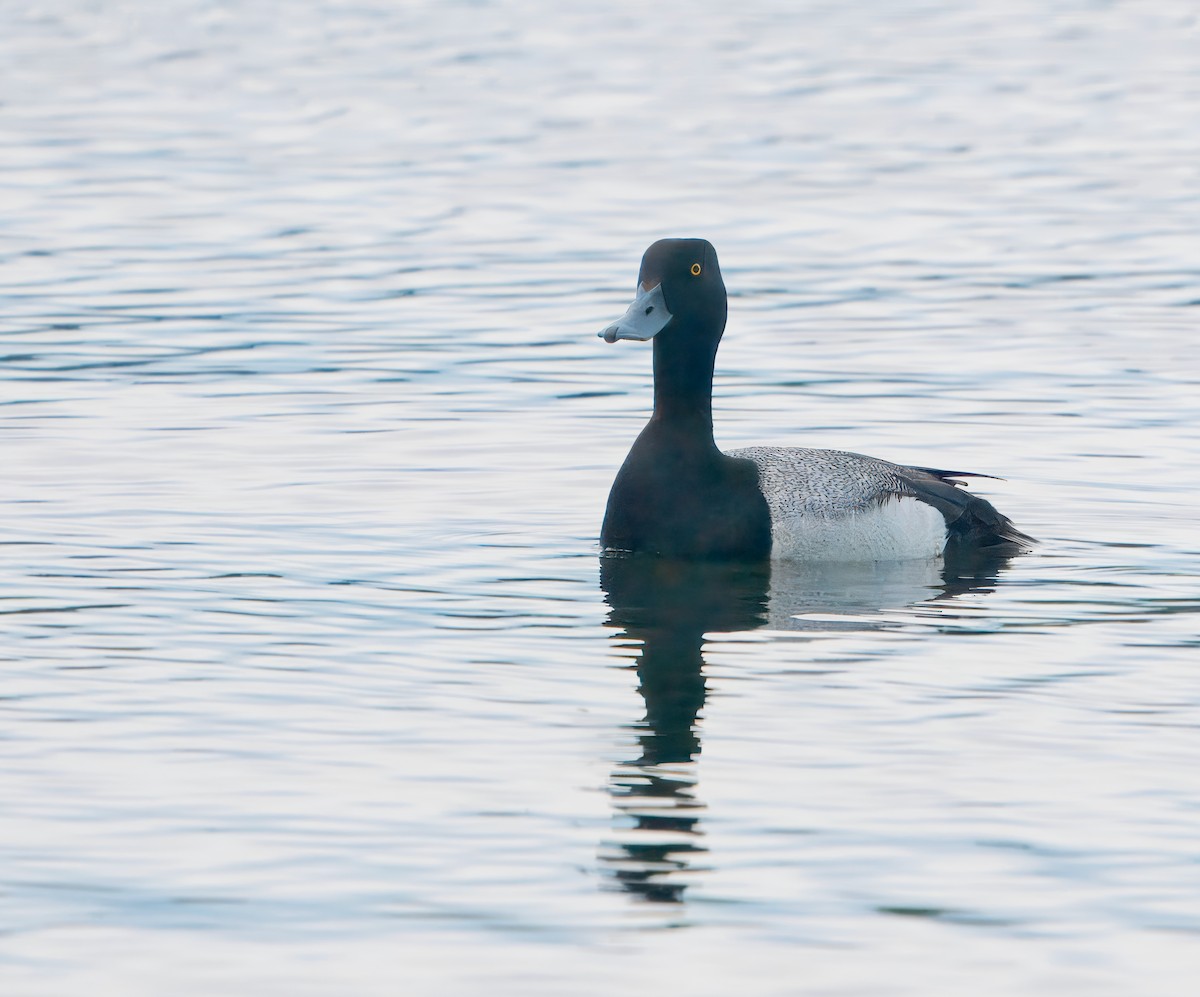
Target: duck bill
(646,318)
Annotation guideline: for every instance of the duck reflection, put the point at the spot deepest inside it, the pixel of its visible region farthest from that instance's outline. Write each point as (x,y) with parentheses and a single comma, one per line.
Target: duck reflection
(663,610)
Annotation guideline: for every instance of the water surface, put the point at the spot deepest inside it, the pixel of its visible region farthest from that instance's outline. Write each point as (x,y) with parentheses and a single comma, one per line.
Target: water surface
(313,679)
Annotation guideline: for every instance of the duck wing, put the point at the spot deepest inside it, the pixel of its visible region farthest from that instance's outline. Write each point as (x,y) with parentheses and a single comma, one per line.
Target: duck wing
(971,521)
(801,481)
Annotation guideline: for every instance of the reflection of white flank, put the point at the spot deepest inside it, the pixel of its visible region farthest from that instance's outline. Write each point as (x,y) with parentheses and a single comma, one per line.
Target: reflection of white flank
(848,596)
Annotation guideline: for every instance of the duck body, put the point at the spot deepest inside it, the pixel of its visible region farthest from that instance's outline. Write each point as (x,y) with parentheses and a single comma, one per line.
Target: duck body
(677,495)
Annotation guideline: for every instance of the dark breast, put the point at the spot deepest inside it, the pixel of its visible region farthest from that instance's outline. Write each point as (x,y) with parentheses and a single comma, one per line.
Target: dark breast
(679,502)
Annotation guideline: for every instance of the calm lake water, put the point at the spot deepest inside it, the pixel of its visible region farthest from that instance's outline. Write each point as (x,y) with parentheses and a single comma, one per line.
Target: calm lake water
(313,681)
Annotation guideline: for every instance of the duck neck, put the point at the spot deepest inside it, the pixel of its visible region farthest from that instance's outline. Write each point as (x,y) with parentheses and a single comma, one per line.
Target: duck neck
(683,387)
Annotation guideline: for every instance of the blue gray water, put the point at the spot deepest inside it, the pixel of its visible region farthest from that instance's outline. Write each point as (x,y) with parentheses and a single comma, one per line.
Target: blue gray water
(311,684)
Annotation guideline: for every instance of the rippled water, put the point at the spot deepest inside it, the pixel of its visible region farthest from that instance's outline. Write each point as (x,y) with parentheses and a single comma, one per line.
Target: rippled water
(313,681)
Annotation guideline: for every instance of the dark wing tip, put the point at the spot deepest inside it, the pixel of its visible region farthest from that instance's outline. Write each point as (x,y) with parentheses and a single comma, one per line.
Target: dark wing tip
(948,476)
(972,521)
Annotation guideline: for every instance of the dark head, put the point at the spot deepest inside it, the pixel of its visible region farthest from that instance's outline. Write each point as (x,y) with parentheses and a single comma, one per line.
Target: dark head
(679,286)
(681,305)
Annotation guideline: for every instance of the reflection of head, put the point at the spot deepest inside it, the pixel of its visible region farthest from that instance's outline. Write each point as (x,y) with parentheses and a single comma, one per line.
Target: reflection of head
(668,606)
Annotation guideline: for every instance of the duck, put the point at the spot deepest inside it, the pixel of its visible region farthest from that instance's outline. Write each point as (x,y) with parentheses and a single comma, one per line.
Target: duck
(678,496)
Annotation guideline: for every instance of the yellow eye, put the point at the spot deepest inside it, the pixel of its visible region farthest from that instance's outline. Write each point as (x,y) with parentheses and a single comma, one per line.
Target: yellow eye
(695,269)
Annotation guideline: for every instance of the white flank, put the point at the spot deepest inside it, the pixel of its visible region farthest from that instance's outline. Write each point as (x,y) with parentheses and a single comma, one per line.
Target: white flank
(898,529)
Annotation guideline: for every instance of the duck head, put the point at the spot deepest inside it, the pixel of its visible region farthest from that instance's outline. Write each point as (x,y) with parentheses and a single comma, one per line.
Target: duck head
(679,289)
(681,305)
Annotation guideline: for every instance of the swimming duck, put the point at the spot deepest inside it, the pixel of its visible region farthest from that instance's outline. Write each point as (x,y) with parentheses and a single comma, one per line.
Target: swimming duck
(677,495)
